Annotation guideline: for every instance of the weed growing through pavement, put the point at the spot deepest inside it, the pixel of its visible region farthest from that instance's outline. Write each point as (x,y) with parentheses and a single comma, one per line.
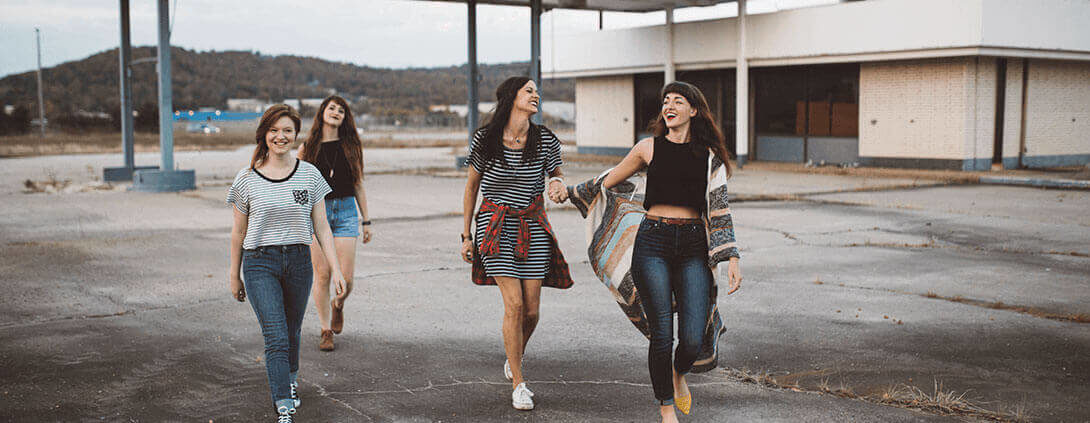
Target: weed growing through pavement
(938,401)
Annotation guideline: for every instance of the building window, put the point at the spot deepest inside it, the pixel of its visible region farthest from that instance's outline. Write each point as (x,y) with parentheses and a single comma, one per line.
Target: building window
(648,103)
(807,113)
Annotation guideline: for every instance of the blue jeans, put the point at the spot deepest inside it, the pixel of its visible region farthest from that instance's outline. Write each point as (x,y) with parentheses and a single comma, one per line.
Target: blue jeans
(670,262)
(342,217)
(277,279)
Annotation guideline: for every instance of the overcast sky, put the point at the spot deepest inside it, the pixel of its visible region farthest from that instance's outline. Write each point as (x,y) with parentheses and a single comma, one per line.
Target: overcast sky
(383,33)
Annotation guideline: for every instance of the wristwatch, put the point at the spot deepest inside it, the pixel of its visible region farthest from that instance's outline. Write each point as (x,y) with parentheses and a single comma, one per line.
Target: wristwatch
(466,237)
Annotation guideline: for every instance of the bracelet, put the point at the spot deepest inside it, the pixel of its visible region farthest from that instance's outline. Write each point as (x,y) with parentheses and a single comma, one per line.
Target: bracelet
(365,223)
(555,178)
(466,237)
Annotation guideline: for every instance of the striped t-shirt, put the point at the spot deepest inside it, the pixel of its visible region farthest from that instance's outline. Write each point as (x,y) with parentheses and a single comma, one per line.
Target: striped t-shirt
(278,210)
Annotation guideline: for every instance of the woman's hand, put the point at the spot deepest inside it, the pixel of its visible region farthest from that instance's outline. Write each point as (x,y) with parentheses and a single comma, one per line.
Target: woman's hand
(340,287)
(238,290)
(366,234)
(734,275)
(467,251)
(558,192)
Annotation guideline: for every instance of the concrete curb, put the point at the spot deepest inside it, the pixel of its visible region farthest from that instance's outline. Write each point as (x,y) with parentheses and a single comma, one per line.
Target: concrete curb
(1036,182)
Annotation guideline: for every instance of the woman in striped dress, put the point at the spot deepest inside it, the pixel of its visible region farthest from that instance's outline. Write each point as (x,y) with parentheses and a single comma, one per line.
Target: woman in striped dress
(514,247)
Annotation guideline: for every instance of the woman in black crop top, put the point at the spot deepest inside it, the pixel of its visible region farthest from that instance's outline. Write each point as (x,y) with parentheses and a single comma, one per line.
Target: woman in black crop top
(334,148)
(670,257)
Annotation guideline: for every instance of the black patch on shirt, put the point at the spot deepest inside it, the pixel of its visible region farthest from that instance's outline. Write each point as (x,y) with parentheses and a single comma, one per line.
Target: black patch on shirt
(301,196)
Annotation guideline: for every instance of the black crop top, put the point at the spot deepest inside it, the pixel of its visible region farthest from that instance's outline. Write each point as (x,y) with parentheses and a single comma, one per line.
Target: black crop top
(676,176)
(334,167)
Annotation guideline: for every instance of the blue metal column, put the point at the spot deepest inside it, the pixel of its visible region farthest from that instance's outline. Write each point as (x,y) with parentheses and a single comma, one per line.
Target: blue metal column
(473,79)
(535,55)
(166,101)
(124,54)
(167,178)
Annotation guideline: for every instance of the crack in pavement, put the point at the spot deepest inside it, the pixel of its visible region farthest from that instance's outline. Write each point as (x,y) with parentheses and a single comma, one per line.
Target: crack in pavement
(456,383)
(993,305)
(126,312)
(436,269)
(932,242)
(327,394)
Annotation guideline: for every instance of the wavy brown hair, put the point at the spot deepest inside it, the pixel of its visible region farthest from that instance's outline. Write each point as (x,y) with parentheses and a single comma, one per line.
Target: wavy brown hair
(703,132)
(272,114)
(350,139)
(492,132)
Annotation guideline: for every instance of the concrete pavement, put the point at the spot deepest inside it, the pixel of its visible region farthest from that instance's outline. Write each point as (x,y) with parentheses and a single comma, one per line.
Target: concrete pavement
(116,307)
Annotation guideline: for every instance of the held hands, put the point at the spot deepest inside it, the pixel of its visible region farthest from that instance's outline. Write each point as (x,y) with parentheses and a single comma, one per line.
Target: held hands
(734,276)
(238,291)
(558,193)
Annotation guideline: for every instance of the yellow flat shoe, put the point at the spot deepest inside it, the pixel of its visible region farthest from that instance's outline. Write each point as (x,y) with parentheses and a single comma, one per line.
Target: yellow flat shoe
(684,403)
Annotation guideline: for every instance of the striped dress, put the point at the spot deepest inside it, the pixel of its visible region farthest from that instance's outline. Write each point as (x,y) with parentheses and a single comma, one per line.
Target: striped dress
(516,185)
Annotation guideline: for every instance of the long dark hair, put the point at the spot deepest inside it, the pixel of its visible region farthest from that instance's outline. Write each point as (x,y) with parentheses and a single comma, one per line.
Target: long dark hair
(491,134)
(272,114)
(350,139)
(703,132)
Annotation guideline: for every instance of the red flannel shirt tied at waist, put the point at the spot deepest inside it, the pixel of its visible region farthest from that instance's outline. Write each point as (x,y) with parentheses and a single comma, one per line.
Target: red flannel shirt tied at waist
(558,275)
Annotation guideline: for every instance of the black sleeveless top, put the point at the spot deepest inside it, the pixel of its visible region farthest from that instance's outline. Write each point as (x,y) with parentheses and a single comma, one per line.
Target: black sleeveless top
(334,167)
(677,176)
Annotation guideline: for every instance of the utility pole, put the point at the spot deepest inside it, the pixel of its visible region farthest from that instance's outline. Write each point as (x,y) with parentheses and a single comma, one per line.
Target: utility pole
(41,101)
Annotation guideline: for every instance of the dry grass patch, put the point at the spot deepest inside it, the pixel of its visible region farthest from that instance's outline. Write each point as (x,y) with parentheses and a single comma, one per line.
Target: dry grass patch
(943,402)
(939,401)
(999,305)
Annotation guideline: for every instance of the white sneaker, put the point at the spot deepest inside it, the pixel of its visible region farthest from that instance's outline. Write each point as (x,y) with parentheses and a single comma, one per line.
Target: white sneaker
(284,415)
(507,370)
(522,398)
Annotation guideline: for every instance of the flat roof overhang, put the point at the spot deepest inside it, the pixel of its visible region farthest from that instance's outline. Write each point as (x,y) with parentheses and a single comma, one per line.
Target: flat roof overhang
(606,5)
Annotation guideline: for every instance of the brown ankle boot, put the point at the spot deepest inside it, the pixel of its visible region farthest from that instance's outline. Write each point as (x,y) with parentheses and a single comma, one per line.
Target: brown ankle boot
(326,344)
(336,320)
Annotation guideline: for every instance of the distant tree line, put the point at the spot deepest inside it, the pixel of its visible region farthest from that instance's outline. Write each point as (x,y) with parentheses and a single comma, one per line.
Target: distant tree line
(208,79)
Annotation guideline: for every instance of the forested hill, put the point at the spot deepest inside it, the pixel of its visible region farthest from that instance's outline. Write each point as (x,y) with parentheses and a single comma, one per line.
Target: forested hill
(208,79)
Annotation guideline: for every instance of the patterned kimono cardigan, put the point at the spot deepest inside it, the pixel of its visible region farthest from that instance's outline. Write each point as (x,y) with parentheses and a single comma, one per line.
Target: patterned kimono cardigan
(612,218)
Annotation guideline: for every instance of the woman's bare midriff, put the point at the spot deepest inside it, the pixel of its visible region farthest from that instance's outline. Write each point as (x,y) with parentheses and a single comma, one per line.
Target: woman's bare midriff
(666,210)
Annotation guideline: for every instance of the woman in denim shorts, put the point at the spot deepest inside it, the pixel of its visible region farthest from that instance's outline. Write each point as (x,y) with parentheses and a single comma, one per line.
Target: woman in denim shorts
(686,232)
(279,208)
(334,147)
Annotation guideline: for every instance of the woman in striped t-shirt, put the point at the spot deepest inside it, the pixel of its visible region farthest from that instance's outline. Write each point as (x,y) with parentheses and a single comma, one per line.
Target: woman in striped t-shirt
(279,204)
(515,246)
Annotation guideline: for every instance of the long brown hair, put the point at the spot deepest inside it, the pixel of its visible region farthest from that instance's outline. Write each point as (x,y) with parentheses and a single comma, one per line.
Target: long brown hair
(350,139)
(272,114)
(703,132)
(492,132)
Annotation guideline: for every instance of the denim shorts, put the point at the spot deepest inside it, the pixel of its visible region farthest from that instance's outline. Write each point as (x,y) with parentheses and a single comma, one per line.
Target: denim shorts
(342,216)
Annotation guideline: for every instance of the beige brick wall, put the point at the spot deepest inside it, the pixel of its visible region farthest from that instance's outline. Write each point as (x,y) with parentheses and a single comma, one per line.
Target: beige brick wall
(1058,108)
(917,109)
(1012,109)
(982,81)
(604,108)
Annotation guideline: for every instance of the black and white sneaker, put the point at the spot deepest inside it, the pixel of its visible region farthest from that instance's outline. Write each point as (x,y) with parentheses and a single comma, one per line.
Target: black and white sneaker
(295,393)
(284,415)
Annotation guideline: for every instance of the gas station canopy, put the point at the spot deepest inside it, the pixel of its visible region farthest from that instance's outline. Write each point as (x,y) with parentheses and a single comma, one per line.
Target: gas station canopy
(607,5)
